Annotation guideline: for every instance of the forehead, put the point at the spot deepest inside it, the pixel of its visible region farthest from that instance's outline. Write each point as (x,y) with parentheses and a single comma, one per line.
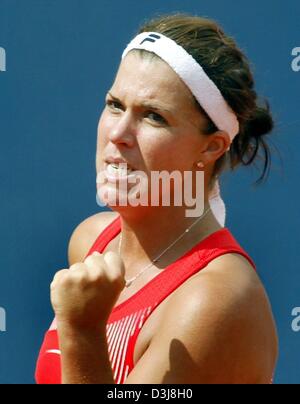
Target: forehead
(142,79)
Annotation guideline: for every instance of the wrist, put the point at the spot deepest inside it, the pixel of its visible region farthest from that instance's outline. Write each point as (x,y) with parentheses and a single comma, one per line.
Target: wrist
(84,354)
(81,343)
(76,331)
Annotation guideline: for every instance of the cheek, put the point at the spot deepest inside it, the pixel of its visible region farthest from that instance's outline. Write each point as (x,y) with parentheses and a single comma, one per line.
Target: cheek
(185,150)
(172,153)
(160,152)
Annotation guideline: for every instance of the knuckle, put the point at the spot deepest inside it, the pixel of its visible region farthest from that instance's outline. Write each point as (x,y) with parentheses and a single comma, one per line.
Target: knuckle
(76,266)
(96,254)
(95,258)
(88,259)
(91,260)
(59,274)
(98,273)
(58,278)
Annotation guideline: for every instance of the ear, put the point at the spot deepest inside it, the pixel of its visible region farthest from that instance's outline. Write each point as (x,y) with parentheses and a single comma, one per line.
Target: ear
(215,146)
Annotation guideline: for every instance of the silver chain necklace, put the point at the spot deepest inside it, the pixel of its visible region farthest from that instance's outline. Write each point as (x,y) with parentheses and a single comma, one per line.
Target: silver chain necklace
(129,281)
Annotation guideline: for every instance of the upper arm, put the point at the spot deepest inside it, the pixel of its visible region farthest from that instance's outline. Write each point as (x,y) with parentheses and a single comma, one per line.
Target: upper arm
(86,233)
(212,332)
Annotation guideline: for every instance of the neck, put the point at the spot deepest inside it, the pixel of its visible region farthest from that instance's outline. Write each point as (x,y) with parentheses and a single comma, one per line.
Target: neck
(148,234)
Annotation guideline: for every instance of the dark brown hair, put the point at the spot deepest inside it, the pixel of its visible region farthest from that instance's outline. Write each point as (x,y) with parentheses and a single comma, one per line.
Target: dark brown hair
(229,69)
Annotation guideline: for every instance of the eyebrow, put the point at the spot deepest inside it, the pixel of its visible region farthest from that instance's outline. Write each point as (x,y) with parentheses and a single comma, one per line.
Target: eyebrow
(154,107)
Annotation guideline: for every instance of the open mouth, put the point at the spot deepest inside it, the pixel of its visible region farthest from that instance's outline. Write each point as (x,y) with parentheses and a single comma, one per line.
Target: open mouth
(118,170)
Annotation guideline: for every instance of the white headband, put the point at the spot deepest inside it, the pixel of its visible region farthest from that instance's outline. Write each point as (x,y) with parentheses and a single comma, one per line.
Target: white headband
(204,89)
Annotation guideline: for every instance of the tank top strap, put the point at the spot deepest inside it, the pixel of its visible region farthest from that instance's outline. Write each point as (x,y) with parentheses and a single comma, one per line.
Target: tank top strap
(108,234)
(158,288)
(217,244)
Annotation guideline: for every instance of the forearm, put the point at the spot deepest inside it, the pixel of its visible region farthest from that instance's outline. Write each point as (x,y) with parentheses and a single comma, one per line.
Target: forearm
(84,356)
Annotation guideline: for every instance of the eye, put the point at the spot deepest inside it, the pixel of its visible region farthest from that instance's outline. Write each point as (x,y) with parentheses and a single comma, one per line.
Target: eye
(157,118)
(113,104)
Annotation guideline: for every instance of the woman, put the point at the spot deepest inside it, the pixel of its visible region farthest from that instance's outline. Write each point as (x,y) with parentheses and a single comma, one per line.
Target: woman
(153,295)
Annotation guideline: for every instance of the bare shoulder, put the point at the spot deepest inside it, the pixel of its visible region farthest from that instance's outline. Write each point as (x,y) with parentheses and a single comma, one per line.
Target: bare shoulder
(230,279)
(86,233)
(223,322)
(227,277)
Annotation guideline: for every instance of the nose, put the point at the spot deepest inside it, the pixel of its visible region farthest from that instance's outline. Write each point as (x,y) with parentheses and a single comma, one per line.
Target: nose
(123,131)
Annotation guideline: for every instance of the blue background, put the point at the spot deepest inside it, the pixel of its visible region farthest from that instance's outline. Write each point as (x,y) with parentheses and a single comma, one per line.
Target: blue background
(61,58)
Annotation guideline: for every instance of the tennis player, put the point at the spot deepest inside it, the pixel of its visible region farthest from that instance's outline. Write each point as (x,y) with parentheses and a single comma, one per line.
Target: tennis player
(153,295)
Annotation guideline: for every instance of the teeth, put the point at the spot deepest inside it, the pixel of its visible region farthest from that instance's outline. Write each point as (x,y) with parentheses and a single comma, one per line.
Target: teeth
(118,169)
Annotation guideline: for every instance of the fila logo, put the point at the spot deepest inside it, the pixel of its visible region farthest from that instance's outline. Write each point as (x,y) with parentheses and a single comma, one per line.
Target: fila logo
(151,38)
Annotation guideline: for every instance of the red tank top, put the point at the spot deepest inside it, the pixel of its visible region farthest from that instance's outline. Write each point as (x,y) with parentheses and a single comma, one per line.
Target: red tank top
(127,319)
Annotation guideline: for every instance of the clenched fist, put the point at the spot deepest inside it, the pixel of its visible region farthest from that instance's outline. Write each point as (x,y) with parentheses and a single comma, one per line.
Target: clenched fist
(84,295)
